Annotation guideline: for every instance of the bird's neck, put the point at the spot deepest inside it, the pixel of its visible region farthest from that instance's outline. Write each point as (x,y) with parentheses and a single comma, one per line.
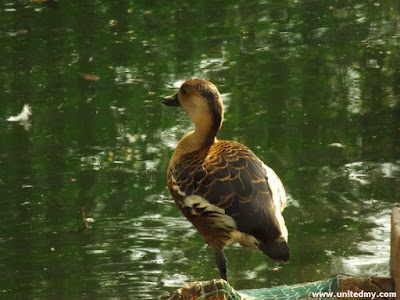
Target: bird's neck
(202,137)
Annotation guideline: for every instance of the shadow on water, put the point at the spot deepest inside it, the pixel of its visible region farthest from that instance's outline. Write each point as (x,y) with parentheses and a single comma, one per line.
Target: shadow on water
(312,89)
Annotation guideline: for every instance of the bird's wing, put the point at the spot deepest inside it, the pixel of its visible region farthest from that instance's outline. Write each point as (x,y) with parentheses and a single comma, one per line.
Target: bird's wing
(231,177)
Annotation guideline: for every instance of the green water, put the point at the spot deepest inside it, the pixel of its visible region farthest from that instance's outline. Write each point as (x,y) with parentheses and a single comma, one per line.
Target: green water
(312,87)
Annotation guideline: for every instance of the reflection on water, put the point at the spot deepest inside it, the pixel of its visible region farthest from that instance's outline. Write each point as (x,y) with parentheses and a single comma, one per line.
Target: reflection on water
(311,88)
(145,244)
(374,249)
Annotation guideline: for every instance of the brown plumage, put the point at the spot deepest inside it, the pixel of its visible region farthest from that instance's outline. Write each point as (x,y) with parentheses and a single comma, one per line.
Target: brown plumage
(221,186)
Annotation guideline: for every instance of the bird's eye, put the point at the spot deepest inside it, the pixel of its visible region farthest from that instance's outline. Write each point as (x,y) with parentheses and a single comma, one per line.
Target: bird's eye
(183,91)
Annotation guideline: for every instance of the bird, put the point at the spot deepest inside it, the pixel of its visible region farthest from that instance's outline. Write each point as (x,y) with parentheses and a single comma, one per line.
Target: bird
(221,186)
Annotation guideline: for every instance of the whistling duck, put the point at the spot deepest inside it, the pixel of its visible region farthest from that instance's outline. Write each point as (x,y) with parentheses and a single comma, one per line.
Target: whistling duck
(222,187)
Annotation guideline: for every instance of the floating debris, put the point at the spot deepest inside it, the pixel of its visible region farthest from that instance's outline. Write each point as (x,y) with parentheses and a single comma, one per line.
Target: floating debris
(337,145)
(89,77)
(22,32)
(86,220)
(23,117)
(51,3)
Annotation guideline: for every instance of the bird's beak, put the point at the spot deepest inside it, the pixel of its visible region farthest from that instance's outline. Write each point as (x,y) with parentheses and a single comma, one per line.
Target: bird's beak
(171,100)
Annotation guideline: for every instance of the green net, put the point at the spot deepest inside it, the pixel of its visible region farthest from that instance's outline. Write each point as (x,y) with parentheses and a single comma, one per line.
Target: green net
(297,291)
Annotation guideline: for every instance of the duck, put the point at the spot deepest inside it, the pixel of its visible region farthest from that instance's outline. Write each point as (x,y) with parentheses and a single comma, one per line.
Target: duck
(221,186)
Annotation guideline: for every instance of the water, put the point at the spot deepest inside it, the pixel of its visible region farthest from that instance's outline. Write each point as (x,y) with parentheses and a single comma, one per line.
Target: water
(312,88)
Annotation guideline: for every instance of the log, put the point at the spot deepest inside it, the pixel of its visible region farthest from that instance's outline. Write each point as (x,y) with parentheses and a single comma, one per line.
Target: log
(365,288)
(395,250)
(196,290)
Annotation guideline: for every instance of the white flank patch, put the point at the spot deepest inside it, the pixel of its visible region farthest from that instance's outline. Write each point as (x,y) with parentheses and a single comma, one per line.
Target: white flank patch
(196,202)
(279,198)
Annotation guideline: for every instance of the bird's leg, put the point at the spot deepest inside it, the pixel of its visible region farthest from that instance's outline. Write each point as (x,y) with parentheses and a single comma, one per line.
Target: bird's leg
(220,259)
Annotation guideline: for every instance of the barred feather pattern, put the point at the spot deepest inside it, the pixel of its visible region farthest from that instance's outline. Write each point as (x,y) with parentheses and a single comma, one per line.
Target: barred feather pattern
(229,194)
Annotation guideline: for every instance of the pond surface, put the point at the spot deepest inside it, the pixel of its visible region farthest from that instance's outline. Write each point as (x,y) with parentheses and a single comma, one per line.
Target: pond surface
(312,88)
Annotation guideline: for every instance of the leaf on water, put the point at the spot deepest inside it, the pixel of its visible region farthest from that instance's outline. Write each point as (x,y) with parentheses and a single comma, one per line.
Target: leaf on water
(51,3)
(22,32)
(89,77)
